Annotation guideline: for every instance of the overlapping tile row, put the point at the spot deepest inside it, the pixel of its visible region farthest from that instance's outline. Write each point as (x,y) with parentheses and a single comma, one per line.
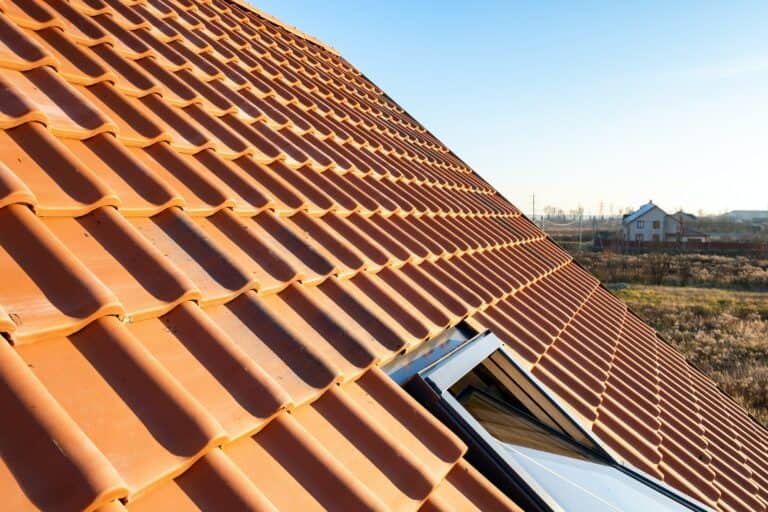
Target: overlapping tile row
(634,391)
(212,232)
(197,89)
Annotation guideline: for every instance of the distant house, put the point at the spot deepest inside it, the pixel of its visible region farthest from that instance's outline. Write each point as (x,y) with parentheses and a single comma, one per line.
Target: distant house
(747,215)
(685,217)
(650,224)
(686,227)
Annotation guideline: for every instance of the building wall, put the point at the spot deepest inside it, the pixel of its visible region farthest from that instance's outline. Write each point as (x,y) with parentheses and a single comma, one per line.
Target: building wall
(671,228)
(655,225)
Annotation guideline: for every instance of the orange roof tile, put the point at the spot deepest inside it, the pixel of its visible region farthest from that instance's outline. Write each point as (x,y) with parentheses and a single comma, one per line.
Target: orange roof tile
(213,230)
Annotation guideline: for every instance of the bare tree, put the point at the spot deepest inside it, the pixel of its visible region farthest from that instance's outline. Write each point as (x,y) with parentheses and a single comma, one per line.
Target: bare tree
(658,267)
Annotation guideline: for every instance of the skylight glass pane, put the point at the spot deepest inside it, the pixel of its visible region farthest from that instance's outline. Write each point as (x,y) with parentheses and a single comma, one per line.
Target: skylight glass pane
(578,484)
(572,476)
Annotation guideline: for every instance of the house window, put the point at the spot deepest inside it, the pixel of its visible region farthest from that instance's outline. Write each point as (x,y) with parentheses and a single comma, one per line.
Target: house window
(639,237)
(656,237)
(640,224)
(657,224)
(519,436)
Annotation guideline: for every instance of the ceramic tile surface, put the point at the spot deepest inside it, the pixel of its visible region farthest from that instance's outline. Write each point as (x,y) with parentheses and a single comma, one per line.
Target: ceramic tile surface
(214,230)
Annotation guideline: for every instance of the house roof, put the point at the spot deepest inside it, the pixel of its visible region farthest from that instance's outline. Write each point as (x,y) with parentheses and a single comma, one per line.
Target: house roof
(632,217)
(681,213)
(214,231)
(747,214)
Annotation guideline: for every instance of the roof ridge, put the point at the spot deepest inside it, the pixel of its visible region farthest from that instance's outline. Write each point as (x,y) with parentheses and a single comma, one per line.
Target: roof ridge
(290,28)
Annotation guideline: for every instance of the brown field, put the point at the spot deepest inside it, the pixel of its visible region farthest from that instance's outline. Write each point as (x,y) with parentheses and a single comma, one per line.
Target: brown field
(700,270)
(724,333)
(714,309)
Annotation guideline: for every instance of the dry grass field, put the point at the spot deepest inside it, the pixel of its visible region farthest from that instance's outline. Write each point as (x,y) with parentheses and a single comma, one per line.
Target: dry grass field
(714,309)
(724,333)
(700,270)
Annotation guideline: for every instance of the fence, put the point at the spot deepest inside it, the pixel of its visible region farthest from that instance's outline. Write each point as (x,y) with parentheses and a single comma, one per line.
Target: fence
(758,249)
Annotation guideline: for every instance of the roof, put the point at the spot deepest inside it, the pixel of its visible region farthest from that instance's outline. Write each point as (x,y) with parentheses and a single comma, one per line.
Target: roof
(747,214)
(290,28)
(213,232)
(681,213)
(632,217)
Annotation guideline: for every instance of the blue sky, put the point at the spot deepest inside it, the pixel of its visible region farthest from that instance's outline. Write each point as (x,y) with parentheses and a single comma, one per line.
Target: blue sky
(576,102)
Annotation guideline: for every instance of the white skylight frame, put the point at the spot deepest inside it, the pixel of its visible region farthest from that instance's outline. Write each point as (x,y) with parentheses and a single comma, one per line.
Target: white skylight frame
(443,364)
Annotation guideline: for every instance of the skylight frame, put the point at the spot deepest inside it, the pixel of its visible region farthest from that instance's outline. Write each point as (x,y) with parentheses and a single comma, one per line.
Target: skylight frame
(443,368)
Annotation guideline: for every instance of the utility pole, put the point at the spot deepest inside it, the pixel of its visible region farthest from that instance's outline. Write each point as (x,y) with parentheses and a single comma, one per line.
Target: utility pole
(594,230)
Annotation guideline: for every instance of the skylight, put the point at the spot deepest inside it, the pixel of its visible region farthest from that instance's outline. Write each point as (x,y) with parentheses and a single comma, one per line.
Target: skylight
(519,436)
